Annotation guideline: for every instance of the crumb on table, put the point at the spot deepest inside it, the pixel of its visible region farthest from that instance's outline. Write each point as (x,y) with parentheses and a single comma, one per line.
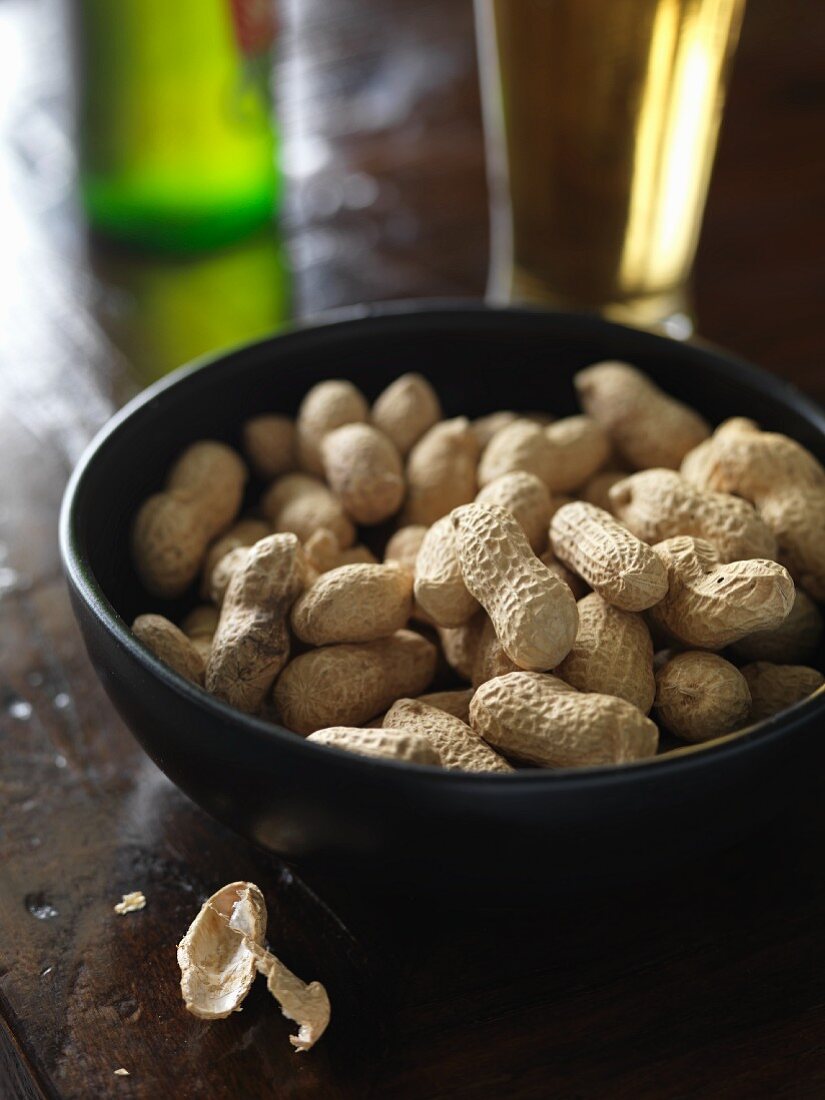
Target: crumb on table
(131,903)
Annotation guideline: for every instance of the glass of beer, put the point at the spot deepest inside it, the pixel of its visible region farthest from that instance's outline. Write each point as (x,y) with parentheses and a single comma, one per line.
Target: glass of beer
(601,119)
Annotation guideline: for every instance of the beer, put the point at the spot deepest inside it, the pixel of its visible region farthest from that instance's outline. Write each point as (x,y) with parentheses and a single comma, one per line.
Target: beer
(602,117)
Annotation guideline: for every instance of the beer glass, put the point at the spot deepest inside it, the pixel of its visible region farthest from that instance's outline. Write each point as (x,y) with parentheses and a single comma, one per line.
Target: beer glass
(601,119)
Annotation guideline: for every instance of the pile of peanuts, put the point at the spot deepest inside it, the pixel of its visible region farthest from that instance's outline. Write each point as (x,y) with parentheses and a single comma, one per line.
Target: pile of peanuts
(560,580)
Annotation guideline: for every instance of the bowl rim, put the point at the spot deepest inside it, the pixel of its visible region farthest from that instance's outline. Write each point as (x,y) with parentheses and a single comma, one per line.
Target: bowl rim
(688,758)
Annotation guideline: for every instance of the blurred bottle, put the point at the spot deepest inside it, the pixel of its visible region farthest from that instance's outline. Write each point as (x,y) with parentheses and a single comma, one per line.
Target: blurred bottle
(166,310)
(177,148)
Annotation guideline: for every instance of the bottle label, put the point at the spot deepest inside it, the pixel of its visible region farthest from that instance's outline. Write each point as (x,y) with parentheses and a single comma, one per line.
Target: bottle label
(255,25)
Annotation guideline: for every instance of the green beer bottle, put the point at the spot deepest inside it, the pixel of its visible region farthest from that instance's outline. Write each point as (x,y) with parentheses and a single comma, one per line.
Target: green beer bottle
(177,148)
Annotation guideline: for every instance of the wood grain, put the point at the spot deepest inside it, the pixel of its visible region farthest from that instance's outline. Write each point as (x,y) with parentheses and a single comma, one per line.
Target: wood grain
(708,983)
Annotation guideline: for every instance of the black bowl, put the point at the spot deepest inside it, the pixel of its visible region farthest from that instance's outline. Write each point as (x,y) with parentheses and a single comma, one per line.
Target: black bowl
(320,807)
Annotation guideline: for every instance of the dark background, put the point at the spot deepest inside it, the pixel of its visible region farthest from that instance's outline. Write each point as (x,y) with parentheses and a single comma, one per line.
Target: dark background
(708,983)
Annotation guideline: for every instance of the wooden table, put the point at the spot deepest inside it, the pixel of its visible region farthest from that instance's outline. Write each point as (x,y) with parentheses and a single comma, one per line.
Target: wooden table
(709,983)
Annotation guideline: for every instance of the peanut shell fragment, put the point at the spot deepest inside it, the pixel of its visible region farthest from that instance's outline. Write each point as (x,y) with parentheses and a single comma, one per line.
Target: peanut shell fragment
(223,950)
(217,963)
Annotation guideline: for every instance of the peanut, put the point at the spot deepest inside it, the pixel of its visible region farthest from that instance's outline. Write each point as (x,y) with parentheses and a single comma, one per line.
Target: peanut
(700,696)
(520,445)
(456,703)
(752,463)
(697,464)
(269,445)
(659,504)
(458,746)
(646,425)
(301,504)
(410,746)
(612,654)
(246,532)
(579,447)
(173,528)
(364,470)
(460,644)
(251,644)
(774,688)
(170,645)
(323,552)
(709,605)
(784,482)
(223,572)
(617,565)
(539,719)
(794,641)
(798,521)
(403,546)
(439,585)
(597,490)
(406,409)
(357,555)
(352,683)
(328,405)
(533,612)
(441,471)
(573,581)
(485,427)
(558,500)
(489,659)
(526,496)
(353,603)
(199,626)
